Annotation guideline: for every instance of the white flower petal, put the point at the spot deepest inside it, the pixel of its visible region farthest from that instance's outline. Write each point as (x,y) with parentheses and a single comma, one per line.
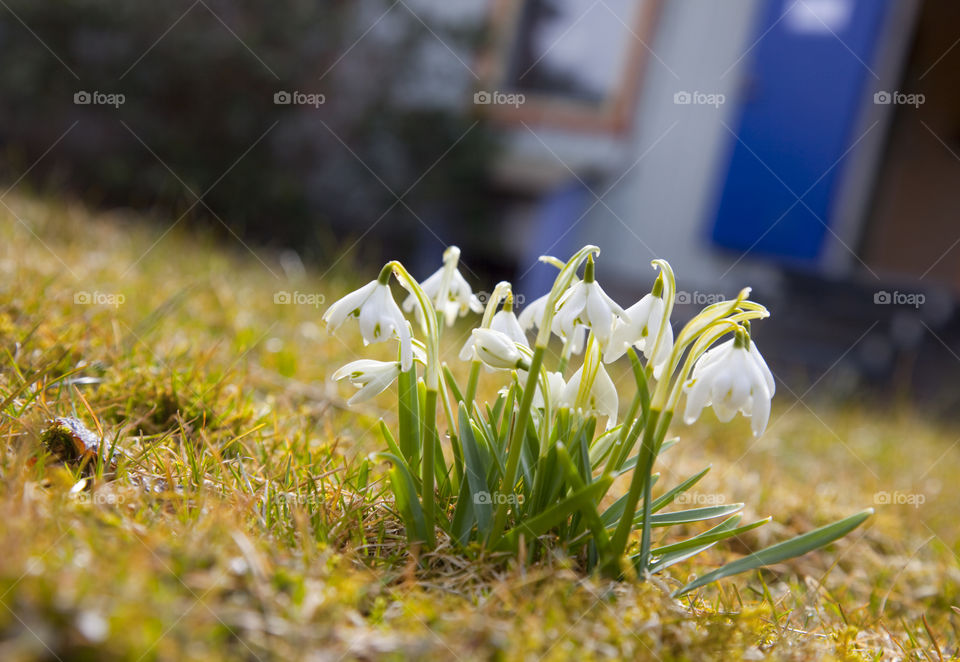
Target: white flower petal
(466,352)
(569,310)
(532,313)
(599,314)
(604,396)
(496,349)
(731,379)
(340,310)
(373,377)
(506,322)
(764,369)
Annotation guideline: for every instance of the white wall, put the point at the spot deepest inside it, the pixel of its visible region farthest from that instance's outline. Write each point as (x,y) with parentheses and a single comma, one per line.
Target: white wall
(664,202)
(670,164)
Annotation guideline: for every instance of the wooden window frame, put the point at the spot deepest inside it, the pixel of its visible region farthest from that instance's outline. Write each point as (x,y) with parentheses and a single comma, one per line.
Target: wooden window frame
(613,116)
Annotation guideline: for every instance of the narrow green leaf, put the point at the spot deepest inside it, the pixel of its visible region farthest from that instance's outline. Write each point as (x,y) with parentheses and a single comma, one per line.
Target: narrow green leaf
(615,511)
(667,560)
(405,495)
(408,417)
(588,510)
(452,384)
(704,538)
(787,549)
(668,497)
(558,513)
(391,442)
(694,514)
(463,515)
(601,446)
(476,474)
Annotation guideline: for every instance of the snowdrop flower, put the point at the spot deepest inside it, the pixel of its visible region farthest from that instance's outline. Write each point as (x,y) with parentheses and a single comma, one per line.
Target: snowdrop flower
(378,314)
(602,399)
(497,350)
(532,314)
(448,289)
(555,389)
(640,329)
(731,377)
(372,377)
(586,303)
(503,321)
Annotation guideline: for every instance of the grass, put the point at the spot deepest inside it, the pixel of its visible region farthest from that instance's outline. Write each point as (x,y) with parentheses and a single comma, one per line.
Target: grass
(229,514)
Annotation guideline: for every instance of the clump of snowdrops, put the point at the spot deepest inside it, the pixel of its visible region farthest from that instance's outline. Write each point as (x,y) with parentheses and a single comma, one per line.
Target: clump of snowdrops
(530,469)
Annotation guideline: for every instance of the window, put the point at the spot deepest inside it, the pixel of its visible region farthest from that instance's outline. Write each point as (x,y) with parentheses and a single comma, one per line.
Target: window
(576,64)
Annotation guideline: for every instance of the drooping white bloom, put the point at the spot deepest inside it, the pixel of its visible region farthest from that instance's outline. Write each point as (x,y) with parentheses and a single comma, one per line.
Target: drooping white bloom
(497,350)
(503,321)
(459,298)
(371,377)
(602,399)
(555,389)
(532,315)
(586,303)
(378,314)
(731,377)
(640,329)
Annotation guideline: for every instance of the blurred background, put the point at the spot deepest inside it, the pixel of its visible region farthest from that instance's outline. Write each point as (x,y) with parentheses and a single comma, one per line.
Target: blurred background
(810,148)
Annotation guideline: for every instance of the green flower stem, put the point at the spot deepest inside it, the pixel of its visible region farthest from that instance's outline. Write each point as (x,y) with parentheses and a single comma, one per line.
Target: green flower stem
(638,484)
(426,465)
(641,400)
(519,428)
(454,442)
(516,444)
(500,291)
(647,486)
(429,441)
(408,415)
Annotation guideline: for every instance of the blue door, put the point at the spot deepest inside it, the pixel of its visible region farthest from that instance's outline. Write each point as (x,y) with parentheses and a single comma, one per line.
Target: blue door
(806,82)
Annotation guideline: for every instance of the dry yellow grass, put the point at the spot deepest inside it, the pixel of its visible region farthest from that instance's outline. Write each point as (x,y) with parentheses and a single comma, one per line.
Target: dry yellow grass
(253,543)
